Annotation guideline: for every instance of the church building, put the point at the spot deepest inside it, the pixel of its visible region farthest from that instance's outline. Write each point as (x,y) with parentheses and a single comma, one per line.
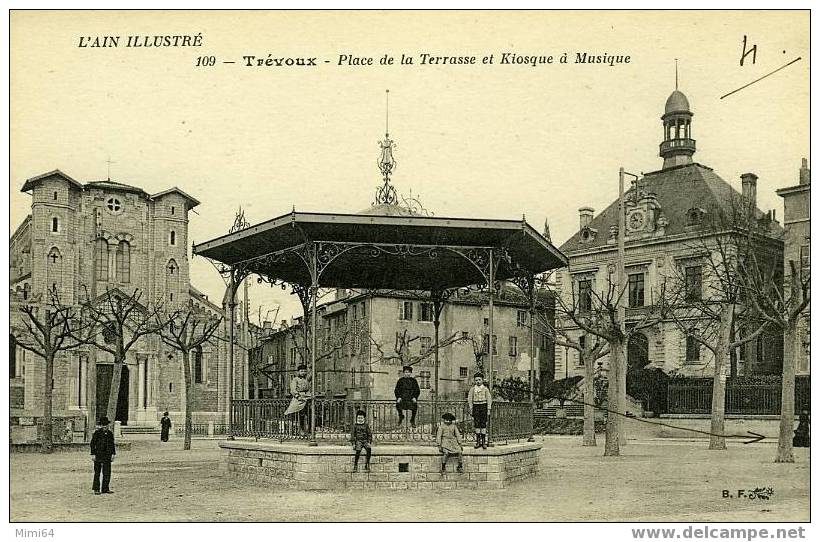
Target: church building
(83,240)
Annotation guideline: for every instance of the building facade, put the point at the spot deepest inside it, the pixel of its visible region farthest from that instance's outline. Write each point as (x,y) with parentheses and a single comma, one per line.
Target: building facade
(797,249)
(366,337)
(671,236)
(81,241)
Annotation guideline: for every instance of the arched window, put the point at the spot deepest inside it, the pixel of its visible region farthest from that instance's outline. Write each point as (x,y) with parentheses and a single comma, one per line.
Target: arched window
(124,262)
(692,346)
(55,224)
(198,365)
(694,216)
(101,259)
(172,239)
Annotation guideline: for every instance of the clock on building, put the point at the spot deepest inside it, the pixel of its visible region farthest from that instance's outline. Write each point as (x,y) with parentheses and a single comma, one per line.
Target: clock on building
(636,220)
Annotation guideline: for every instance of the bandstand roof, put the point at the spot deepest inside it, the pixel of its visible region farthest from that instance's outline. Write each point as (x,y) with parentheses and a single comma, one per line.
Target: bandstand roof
(382,251)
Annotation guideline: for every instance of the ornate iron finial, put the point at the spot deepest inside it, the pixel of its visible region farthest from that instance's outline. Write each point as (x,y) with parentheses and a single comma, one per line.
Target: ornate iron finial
(386,194)
(239,222)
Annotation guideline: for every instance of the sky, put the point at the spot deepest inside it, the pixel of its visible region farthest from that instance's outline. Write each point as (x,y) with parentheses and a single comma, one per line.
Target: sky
(482,141)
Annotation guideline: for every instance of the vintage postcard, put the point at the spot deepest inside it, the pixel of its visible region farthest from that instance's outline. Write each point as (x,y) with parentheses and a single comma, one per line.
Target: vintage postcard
(411,266)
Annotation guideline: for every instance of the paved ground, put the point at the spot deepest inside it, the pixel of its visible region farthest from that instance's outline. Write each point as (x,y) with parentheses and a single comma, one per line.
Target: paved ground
(652,481)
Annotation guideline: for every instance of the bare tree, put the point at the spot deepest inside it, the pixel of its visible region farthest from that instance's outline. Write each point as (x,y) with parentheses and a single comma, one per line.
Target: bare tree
(119,321)
(782,311)
(589,351)
(708,305)
(185,330)
(596,314)
(45,329)
(402,353)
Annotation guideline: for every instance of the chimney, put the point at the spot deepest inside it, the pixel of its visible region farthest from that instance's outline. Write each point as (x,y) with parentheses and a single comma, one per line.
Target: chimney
(805,172)
(585,214)
(749,182)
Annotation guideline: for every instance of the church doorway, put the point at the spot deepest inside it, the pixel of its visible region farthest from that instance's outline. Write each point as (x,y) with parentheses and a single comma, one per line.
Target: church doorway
(104,374)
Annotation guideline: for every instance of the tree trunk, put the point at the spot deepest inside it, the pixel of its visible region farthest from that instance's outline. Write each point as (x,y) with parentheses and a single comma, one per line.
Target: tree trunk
(613,422)
(622,372)
(91,394)
(717,440)
(188,400)
(589,403)
(791,346)
(732,353)
(114,392)
(47,404)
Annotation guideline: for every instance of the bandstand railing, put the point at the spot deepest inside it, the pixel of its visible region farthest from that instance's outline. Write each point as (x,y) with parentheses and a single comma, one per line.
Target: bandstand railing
(265,418)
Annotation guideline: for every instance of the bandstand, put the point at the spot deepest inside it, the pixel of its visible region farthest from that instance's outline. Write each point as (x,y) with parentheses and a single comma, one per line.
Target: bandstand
(386,247)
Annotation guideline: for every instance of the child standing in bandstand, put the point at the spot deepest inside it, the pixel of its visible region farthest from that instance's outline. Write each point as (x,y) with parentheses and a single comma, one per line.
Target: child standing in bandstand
(480,402)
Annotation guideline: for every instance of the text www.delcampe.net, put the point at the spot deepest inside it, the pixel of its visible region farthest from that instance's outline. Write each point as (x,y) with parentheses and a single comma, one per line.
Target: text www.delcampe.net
(736,533)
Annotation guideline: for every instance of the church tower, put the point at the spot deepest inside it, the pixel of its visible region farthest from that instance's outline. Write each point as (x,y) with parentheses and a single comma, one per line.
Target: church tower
(678,146)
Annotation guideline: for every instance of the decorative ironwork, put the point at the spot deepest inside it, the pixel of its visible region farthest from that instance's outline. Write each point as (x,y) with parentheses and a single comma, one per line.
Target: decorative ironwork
(481,259)
(264,418)
(317,256)
(386,194)
(414,205)
(239,222)
(525,283)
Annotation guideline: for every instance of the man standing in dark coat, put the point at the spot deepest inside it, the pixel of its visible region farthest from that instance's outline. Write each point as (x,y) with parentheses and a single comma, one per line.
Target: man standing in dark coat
(103,451)
(165,423)
(407,393)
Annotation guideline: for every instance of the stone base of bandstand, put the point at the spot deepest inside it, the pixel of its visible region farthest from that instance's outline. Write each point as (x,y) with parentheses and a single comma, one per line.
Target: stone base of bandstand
(300,466)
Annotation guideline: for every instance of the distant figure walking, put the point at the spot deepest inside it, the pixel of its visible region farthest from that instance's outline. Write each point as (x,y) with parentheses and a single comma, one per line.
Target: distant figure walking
(103,452)
(165,423)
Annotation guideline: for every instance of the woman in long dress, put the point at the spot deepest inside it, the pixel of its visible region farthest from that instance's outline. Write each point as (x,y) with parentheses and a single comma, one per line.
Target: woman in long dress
(300,395)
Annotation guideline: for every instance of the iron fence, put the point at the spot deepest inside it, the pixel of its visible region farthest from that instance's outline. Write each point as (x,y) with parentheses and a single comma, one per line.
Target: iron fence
(265,418)
(743,396)
(220,429)
(197,429)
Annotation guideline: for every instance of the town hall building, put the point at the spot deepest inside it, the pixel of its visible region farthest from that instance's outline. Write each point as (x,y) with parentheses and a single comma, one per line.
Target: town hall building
(669,214)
